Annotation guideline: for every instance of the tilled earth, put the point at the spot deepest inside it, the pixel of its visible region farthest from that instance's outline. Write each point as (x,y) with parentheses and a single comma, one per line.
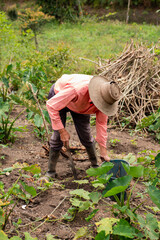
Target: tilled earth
(55,201)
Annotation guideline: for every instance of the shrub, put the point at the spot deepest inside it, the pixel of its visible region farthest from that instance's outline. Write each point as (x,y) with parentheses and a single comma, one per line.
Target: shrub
(62,10)
(12,13)
(33,19)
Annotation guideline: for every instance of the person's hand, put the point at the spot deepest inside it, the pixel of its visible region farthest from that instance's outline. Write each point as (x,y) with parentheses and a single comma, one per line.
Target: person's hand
(105,158)
(103,154)
(64,135)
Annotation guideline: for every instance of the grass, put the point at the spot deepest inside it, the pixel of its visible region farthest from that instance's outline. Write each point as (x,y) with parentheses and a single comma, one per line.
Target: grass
(94,39)
(88,39)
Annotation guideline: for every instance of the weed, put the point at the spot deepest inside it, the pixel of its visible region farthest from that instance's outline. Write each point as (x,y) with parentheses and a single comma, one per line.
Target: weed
(114,142)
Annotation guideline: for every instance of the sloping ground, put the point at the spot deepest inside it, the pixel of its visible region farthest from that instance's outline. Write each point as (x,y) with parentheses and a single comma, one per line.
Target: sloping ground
(27,148)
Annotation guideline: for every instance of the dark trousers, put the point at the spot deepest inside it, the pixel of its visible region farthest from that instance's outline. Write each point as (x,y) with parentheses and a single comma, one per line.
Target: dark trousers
(82,126)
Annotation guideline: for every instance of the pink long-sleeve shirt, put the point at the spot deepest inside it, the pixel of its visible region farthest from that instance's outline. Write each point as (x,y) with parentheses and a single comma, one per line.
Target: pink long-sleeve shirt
(71,91)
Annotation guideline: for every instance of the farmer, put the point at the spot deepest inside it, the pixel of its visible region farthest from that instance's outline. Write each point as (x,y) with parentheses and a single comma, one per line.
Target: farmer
(81,95)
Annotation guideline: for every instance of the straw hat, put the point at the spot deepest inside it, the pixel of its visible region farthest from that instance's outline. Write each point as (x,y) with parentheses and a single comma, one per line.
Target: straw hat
(104,95)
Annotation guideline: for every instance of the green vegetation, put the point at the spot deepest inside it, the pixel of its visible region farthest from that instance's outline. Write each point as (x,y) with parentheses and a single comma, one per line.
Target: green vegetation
(87,38)
(27,71)
(126,223)
(20,189)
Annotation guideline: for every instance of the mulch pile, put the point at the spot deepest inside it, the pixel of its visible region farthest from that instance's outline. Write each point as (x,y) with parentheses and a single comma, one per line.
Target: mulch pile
(137,72)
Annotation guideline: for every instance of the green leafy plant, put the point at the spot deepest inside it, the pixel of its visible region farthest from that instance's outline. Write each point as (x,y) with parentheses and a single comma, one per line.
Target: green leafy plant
(148,160)
(126,223)
(19,190)
(7,128)
(152,123)
(114,142)
(93,120)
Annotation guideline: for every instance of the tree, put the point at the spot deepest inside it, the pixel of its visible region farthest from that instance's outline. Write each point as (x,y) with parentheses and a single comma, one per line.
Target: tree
(33,20)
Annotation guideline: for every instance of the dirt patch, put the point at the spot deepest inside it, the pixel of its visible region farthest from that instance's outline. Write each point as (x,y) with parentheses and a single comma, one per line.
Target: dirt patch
(27,148)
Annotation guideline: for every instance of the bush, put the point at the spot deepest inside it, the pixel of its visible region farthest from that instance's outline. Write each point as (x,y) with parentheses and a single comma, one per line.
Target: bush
(62,9)
(12,13)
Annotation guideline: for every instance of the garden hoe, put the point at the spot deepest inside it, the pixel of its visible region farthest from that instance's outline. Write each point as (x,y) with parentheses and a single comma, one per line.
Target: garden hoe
(69,156)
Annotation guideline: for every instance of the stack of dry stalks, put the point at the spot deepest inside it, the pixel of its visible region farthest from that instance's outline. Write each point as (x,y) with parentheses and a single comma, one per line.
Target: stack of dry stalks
(138,75)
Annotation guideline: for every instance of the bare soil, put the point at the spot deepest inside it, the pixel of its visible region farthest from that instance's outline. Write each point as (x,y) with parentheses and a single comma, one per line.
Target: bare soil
(28,148)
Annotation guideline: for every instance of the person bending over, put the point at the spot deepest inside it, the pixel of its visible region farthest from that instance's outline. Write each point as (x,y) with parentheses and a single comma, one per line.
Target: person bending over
(81,95)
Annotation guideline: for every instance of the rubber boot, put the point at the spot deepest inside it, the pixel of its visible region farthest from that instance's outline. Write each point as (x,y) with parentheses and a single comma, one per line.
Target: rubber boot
(52,162)
(91,151)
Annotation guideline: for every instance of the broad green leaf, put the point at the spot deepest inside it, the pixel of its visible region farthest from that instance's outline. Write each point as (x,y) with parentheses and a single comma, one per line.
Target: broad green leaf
(30,189)
(102,236)
(50,237)
(82,232)
(96,184)
(149,226)
(5,81)
(84,206)
(85,181)
(33,169)
(154,194)
(28,236)
(9,68)
(38,120)
(106,224)
(95,197)
(130,158)
(131,214)
(17,191)
(123,228)
(100,170)
(104,178)
(91,215)
(157,161)
(46,115)
(134,171)
(81,193)
(30,115)
(3,236)
(75,202)
(116,186)
(9,169)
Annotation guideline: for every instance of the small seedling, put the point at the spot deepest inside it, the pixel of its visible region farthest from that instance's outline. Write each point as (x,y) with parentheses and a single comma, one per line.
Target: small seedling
(114,142)
(134,142)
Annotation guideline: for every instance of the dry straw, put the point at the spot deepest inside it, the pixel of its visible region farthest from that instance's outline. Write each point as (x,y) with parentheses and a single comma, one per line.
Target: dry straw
(137,72)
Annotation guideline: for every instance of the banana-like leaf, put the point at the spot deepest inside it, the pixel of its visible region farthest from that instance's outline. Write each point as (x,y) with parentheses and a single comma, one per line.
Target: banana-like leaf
(134,171)
(116,186)
(100,170)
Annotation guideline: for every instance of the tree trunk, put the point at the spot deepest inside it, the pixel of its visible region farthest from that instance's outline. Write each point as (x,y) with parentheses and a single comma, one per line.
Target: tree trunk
(36,41)
(128,10)
(79,8)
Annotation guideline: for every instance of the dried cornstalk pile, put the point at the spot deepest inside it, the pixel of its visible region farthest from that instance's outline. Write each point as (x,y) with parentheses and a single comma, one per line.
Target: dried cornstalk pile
(138,75)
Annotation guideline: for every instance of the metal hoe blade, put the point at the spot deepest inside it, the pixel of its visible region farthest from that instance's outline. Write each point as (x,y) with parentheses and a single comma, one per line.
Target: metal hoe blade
(72,163)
